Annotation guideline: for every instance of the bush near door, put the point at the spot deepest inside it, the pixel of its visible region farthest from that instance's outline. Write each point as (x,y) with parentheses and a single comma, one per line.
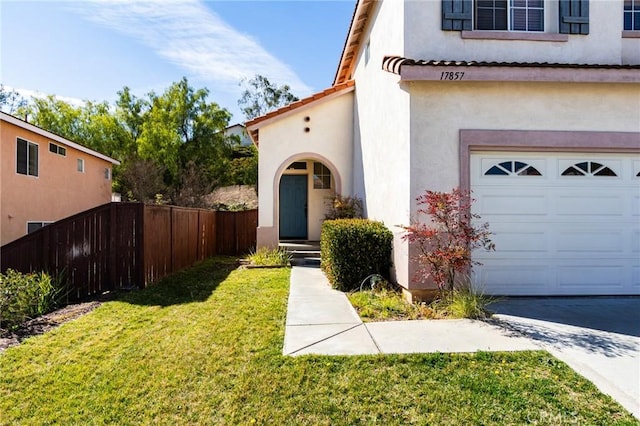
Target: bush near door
(353,249)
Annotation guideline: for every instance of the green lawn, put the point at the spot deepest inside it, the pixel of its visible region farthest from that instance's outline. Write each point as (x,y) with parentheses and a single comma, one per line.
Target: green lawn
(204,347)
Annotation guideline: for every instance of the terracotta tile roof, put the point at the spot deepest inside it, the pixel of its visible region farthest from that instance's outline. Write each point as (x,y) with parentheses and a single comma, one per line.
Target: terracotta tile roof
(295,105)
(357,28)
(393,64)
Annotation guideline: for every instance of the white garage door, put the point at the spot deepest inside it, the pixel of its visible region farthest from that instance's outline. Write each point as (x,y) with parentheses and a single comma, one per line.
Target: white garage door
(563,224)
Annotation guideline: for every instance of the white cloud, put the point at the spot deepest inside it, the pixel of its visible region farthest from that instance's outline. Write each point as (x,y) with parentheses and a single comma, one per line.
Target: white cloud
(193,37)
(28,94)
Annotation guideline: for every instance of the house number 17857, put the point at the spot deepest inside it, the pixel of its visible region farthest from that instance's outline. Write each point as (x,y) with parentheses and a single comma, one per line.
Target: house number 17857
(448,75)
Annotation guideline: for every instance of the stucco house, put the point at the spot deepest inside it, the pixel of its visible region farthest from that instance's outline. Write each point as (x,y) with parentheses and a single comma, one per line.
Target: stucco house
(534,105)
(45,177)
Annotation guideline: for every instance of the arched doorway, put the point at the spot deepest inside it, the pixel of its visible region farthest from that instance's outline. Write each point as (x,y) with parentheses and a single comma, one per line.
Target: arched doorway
(304,188)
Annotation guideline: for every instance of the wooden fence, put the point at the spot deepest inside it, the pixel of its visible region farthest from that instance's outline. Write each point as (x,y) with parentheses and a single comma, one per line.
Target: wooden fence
(121,245)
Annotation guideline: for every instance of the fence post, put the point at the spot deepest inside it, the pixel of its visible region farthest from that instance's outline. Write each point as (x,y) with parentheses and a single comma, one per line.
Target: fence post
(111,249)
(140,248)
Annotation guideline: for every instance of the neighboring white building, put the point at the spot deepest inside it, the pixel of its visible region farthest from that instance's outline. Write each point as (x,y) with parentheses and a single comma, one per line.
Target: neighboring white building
(239,131)
(535,108)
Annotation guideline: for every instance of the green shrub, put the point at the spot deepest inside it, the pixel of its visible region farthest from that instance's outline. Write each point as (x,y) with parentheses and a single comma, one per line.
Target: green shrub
(463,303)
(344,207)
(353,249)
(387,304)
(24,296)
(266,256)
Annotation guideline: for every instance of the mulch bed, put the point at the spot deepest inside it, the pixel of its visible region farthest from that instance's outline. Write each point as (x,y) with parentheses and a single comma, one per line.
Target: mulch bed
(44,323)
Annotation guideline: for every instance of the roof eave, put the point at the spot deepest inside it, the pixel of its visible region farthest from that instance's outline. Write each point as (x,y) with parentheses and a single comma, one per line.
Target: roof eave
(35,129)
(352,43)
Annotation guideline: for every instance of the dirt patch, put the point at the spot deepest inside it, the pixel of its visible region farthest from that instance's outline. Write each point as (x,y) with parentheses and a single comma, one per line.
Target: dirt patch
(236,195)
(46,322)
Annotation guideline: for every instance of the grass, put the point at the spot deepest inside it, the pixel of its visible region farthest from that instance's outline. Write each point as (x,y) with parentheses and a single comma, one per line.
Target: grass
(386,305)
(205,347)
(390,305)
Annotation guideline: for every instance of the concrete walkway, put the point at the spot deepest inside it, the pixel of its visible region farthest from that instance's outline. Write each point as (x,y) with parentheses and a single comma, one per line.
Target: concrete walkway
(322,321)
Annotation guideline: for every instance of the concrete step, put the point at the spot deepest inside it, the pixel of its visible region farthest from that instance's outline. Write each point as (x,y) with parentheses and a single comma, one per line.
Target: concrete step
(304,253)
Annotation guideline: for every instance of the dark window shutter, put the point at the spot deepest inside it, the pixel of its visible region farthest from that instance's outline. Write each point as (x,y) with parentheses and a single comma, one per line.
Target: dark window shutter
(574,16)
(457,15)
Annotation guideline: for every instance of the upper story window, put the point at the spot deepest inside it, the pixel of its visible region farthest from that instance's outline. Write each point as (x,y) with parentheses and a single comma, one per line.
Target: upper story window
(514,15)
(26,158)
(511,15)
(80,167)
(57,149)
(631,15)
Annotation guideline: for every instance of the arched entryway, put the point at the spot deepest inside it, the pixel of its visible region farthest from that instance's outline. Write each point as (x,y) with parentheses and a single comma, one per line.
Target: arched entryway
(303,189)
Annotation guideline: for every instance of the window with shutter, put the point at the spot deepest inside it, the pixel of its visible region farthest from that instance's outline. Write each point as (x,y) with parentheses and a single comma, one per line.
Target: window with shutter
(574,16)
(521,15)
(457,15)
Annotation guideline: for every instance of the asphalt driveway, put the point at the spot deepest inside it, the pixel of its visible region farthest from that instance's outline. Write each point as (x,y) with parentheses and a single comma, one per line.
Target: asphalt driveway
(599,337)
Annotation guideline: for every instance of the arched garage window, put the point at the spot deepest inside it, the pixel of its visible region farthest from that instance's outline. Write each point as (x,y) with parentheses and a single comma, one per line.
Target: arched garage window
(512,168)
(588,168)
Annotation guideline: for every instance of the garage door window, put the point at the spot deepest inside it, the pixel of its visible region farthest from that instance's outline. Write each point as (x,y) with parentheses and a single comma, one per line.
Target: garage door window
(588,168)
(512,168)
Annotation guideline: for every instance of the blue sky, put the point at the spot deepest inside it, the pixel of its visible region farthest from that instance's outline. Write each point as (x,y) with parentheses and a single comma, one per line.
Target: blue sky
(90,49)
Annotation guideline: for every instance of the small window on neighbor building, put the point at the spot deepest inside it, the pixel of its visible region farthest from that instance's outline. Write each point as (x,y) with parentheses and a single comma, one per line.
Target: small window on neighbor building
(321,176)
(107,173)
(34,226)
(57,149)
(80,165)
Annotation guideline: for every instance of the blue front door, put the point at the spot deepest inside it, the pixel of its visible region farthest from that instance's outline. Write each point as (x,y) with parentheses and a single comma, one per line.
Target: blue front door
(293,207)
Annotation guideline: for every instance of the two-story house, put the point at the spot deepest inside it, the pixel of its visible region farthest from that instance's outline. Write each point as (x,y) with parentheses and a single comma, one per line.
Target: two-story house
(534,105)
(45,178)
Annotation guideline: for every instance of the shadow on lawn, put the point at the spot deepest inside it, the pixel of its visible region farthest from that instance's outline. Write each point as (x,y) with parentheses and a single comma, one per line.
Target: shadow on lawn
(194,284)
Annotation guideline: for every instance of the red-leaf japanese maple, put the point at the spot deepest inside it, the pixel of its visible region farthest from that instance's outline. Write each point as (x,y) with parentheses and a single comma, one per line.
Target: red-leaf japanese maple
(445,245)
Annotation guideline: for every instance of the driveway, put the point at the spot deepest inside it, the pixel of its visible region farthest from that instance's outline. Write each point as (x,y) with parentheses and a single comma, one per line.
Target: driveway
(599,337)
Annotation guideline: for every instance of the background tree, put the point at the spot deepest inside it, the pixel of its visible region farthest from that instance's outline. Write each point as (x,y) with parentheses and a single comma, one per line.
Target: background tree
(10,100)
(260,96)
(172,144)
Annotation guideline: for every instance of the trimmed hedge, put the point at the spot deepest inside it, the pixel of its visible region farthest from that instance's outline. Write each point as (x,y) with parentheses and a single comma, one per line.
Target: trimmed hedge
(353,249)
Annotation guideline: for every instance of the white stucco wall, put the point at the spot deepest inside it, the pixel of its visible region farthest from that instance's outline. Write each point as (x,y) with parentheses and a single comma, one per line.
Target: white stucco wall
(382,130)
(631,51)
(283,141)
(604,44)
(440,111)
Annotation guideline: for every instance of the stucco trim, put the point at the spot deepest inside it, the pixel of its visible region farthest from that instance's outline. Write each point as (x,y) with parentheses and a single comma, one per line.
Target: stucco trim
(37,130)
(283,166)
(462,73)
(513,35)
(630,34)
(541,141)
